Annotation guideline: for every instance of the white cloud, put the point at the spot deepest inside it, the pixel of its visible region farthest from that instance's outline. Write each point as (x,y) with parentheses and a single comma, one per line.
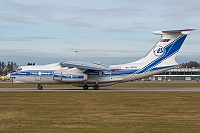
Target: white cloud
(98,28)
(27,38)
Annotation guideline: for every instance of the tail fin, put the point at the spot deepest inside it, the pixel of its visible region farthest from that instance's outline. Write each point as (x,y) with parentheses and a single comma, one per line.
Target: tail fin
(164,52)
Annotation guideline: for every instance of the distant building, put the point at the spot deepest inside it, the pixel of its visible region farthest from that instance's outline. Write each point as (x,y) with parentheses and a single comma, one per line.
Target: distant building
(178,74)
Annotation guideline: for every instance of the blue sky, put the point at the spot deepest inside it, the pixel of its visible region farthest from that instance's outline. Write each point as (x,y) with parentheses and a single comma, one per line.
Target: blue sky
(107,31)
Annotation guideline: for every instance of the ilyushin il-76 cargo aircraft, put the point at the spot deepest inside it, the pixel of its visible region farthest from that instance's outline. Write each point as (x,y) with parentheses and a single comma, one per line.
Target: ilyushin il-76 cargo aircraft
(84,74)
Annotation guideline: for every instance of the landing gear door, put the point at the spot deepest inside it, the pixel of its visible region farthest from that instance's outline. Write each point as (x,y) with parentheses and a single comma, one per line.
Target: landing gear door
(38,76)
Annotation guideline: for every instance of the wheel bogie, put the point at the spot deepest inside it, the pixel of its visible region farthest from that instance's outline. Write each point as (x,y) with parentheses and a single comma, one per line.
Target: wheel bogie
(96,87)
(85,87)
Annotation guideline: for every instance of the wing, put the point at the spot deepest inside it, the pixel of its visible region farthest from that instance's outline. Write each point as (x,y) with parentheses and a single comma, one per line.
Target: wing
(85,65)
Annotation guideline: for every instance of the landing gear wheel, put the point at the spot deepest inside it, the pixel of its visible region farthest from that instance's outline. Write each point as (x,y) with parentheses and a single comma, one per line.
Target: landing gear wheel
(85,87)
(96,87)
(40,87)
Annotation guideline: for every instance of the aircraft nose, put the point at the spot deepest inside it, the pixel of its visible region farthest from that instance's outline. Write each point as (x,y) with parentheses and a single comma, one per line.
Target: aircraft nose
(8,76)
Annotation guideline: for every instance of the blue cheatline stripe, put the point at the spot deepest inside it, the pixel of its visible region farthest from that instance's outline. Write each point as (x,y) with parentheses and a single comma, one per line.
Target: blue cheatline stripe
(33,73)
(170,49)
(72,76)
(44,74)
(128,72)
(121,73)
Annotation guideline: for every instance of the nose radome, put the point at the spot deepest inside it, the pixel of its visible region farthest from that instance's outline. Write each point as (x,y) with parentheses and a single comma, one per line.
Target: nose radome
(8,76)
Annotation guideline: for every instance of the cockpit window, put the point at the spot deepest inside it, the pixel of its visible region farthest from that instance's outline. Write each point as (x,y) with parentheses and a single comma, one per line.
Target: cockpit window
(19,69)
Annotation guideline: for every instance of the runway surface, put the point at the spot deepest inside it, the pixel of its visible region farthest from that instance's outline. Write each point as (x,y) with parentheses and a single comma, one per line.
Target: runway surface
(100,90)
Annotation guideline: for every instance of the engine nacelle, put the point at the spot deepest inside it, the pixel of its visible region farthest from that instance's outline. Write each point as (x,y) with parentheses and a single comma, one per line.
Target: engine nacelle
(70,75)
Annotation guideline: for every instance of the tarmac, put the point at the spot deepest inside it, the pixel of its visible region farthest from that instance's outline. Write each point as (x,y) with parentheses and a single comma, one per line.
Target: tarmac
(101,90)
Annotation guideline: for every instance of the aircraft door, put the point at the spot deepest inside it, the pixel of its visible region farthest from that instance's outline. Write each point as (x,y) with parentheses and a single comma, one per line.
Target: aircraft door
(38,76)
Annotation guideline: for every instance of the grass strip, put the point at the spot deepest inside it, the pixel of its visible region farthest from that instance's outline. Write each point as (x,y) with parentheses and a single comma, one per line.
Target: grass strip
(100,112)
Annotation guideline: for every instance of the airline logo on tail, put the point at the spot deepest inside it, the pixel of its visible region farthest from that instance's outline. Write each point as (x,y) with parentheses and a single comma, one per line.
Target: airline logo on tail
(159,51)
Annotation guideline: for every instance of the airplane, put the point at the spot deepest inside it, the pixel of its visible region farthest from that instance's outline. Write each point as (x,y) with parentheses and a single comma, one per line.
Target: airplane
(85,74)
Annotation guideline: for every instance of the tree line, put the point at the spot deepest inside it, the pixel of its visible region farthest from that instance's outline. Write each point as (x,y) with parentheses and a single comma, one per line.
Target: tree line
(191,64)
(8,67)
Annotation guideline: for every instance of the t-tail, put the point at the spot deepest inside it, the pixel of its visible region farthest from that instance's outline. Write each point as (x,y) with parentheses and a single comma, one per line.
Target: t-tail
(163,54)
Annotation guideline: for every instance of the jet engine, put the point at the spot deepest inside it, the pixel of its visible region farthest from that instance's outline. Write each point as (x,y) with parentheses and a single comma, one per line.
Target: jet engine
(70,75)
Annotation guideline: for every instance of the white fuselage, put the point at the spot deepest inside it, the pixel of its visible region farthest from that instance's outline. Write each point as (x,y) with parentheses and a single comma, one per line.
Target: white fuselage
(46,74)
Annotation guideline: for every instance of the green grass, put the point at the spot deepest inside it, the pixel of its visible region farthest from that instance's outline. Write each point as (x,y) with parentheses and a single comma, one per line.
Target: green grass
(100,112)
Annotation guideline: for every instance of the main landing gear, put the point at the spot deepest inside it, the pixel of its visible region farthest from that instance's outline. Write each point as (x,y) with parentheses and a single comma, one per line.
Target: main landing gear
(96,87)
(85,87)
(40,87)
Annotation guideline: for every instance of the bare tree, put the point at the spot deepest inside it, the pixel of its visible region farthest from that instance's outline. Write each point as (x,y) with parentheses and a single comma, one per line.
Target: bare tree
(190,64)
(10,67)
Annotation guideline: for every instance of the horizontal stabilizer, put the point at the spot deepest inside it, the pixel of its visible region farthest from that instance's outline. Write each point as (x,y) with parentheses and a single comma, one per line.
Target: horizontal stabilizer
(183,32)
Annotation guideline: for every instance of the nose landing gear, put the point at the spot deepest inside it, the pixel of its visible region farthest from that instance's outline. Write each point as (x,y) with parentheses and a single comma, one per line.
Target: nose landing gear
(40,87)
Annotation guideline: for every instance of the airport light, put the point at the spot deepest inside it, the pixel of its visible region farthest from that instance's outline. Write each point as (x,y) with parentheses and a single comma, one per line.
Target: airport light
(76,54)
